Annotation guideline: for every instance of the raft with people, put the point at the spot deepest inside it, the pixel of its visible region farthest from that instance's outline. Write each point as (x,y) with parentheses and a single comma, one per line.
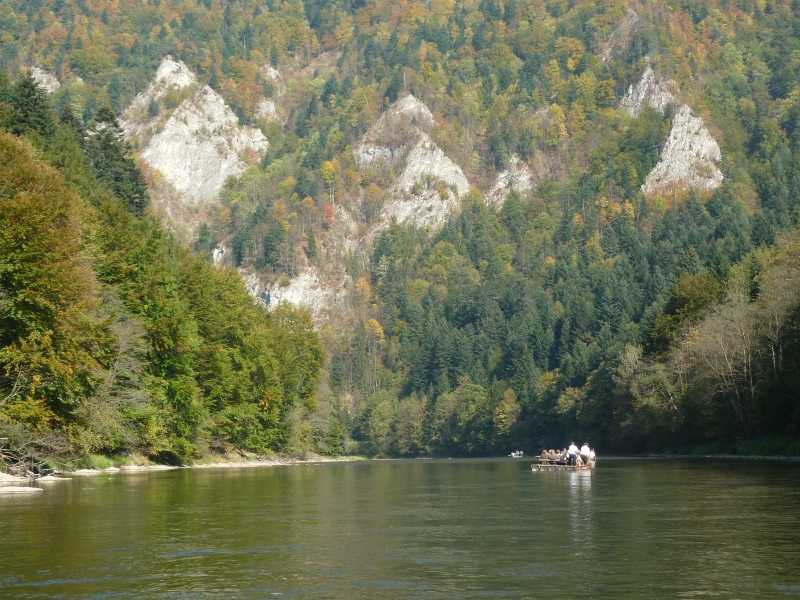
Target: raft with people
(571,458)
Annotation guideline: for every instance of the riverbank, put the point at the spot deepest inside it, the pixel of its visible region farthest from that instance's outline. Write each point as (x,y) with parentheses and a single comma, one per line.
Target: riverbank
(219,462)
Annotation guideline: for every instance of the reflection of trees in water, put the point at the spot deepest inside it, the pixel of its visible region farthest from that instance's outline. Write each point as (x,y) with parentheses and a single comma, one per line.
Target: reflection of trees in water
(580,511)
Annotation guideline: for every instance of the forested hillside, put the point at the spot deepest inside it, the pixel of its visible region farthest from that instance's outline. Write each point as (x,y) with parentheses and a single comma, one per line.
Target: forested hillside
(114,339)
(512,221)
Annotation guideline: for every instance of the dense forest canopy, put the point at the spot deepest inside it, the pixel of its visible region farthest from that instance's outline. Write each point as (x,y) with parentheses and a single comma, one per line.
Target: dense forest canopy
(581,306)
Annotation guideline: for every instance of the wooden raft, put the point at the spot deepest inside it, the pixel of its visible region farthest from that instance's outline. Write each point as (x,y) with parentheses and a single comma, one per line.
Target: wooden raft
(546,465)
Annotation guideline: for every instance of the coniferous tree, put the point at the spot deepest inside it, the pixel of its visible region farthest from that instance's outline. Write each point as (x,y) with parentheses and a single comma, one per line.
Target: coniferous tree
(111,160)
(30,108)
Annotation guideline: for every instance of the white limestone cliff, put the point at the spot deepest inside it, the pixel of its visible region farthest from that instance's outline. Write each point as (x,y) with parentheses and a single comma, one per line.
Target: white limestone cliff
(267,109)
(396,130)
(201,145)
(426,191)
(194,147)
(305,290)
(44,79)
(270,74)
(517,177)
(172,76)
(689,158)
(649,92)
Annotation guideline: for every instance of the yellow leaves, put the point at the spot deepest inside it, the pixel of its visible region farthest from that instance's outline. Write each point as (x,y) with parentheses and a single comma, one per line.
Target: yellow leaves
(546,382)
(417,289)
(442,8)
(287,186)
(552,73)
(375,329)
(571,51)
(328,171)
(628,210)
(363,289)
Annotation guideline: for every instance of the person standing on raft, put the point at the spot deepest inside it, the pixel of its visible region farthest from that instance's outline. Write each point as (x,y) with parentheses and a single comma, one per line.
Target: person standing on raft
(572,451)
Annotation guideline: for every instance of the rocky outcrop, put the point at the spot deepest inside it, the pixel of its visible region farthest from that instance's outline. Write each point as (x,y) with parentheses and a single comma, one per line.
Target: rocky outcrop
(305,290)
(218,255)
(172,77)
(271,75)
(517,177)
(689,158)
(47,81)
(426,191)
(650,92)
(620,39)
(267,110)
(194,147)
(395,131)
(201,145)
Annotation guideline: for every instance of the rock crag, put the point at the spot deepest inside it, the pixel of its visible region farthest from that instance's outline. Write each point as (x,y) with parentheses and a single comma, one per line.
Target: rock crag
(192,148)
(44,79)
(517,177)
(649,92)
(690,156)
(429,183)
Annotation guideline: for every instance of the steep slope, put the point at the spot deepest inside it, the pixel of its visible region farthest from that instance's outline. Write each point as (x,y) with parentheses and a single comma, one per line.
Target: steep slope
(427,189)
(193,148)
(689,158)
(46,80)
(201,145)
(690,154)
(649,92)
(423,194)
(517,177)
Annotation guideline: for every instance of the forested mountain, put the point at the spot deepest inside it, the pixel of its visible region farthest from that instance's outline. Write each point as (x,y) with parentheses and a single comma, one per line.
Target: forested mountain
(113,337)
(512,221)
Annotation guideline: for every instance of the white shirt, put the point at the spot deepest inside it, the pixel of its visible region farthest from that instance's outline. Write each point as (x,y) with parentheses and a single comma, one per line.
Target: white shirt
(585,450)
(591,454)
(573,449)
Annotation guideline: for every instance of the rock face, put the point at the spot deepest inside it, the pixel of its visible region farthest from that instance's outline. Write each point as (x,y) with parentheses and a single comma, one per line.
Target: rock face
(517,178)
(196,146)
(426,192)
(620,39)
(47,81)
(305,290)
(267,109)
(690,155)
(172,76)
(649,92)
(201,145)
(689,158)
(398,128)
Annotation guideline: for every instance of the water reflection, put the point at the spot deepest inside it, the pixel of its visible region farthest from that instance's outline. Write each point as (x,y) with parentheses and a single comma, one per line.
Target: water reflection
(581,511)
(432,529)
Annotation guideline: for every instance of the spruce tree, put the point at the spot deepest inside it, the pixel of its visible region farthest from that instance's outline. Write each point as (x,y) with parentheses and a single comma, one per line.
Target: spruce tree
(111,160)
(30,108)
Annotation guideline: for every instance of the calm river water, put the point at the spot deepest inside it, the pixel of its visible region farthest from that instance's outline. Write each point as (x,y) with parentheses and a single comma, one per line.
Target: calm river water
(411,529)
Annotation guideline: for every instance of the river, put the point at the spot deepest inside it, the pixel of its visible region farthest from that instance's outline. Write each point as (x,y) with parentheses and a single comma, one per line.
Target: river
(411,529)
